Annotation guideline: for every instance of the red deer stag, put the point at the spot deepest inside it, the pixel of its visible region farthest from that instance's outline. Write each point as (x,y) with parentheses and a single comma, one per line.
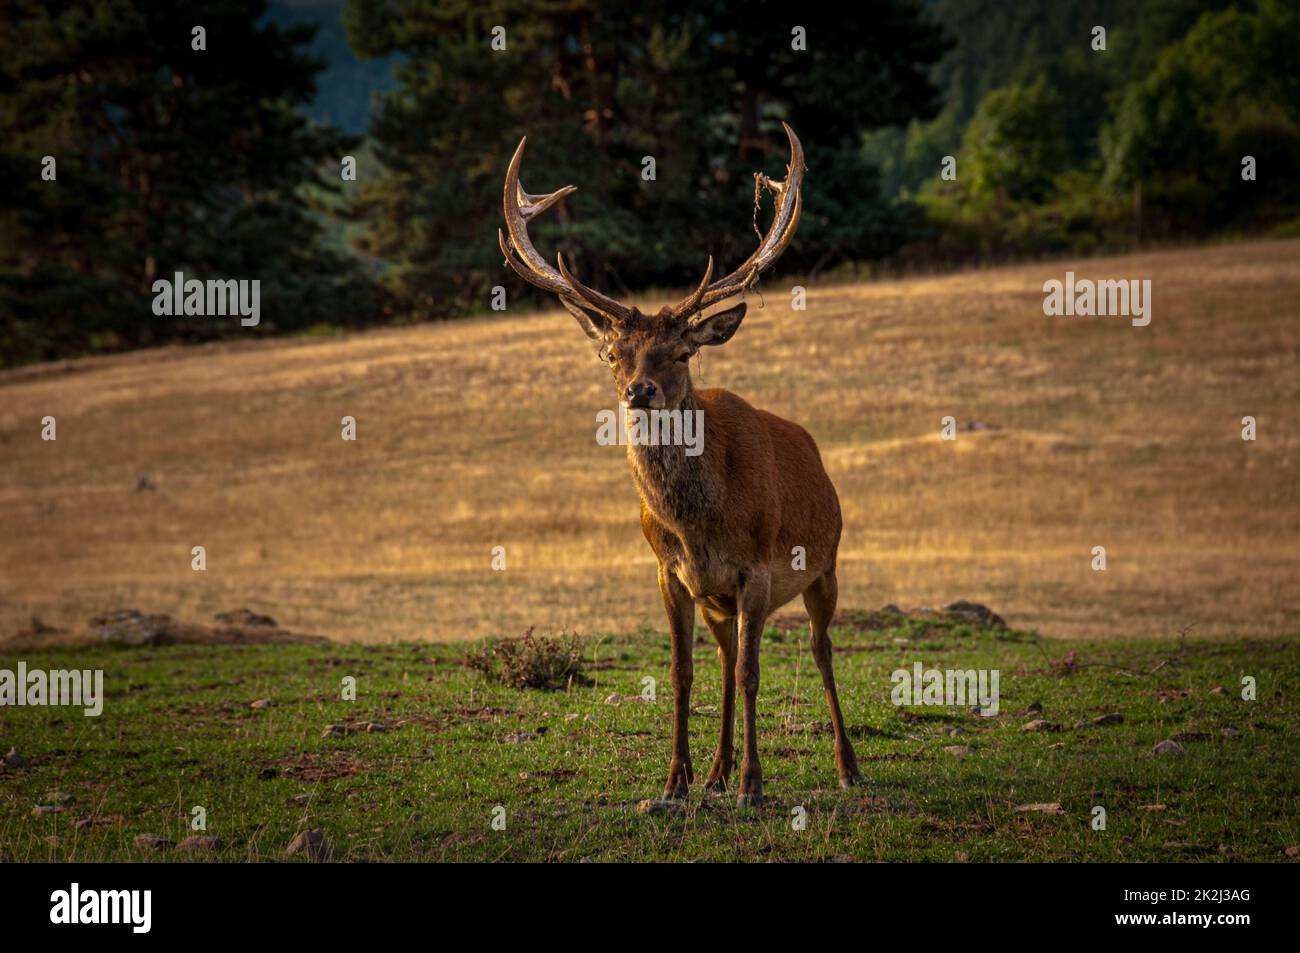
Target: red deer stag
(723,523)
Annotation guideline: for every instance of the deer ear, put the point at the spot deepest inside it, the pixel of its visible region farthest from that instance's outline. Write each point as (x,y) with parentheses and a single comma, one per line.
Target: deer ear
(594,324)
(717,328)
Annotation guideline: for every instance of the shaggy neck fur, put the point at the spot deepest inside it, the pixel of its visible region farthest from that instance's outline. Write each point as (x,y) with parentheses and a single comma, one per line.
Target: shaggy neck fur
(678,489)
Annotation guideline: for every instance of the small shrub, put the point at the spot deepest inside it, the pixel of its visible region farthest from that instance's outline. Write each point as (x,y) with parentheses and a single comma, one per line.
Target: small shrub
(531,661)
(1067,664)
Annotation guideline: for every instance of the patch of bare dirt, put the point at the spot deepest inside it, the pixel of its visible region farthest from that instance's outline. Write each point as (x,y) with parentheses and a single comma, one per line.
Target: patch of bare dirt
(131,627)
(890,617)
(558,774)
(313,766)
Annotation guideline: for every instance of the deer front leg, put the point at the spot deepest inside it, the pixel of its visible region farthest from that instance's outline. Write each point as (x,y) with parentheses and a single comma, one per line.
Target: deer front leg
(681,627)
(724,632)
(753,602)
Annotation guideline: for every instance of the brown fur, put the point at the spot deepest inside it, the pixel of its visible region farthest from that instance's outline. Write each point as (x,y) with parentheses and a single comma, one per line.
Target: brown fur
(723,526)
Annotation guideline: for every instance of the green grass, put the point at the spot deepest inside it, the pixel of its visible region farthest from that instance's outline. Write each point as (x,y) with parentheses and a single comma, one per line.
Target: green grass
(177,731)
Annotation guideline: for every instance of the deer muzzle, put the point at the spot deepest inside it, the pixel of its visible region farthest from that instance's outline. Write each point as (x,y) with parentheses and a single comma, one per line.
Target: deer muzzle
(643,394)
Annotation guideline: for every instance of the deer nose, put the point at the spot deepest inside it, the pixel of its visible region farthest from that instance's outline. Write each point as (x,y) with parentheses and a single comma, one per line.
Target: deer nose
(640,394)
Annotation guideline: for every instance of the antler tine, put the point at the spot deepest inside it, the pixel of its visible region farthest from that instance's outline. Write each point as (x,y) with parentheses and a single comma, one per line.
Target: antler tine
(789,205)
(592,296)
(526,273)
(520,207)
(691,302)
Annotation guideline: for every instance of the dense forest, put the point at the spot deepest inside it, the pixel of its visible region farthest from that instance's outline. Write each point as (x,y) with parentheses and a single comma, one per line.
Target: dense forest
(937,133)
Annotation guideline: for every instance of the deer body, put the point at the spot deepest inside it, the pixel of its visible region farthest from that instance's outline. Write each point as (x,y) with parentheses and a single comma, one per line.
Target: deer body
(725,525)
(756,492)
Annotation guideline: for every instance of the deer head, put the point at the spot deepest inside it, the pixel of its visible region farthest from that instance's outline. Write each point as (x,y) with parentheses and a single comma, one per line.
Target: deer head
(650,353)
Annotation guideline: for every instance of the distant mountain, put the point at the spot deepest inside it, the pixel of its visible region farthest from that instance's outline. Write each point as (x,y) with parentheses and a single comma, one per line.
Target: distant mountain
(345,88)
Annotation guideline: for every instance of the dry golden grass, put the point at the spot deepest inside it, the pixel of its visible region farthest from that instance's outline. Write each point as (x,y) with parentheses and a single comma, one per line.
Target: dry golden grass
(481,433)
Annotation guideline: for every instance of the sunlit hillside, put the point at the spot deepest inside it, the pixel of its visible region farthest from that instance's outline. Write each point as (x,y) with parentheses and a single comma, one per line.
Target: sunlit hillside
(471,435)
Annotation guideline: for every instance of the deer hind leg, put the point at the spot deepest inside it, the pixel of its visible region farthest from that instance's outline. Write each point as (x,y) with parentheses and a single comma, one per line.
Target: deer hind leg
(755,592)
(681,626)
(820,599)
(724,631)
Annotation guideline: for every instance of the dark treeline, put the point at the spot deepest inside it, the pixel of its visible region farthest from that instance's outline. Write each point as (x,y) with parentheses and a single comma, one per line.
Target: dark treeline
(174,159)
(161,158)
(599,87)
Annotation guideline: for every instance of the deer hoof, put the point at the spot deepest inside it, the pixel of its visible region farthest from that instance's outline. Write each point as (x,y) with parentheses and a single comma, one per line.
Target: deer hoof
(678,786)
(850,781)
(749,799)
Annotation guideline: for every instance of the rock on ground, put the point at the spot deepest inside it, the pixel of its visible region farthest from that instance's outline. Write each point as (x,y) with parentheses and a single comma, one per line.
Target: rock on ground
(1053,808)
(1038,724)
(244,617)
(153,842)
(312,843)
(980,613)
(200,842)
(131,627)
(657,807)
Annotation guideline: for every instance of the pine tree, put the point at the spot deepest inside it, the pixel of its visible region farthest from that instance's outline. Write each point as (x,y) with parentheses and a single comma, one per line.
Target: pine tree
(168,158)
(599,86)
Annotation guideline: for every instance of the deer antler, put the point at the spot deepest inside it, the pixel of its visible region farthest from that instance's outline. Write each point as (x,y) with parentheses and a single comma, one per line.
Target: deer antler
(789,203)
(523,258)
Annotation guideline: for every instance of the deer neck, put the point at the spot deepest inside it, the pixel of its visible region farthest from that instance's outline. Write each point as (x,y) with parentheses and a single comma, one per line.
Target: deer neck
(678,487)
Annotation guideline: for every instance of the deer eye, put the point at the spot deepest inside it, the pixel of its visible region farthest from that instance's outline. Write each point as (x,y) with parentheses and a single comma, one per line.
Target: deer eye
(611,357)
(684,357)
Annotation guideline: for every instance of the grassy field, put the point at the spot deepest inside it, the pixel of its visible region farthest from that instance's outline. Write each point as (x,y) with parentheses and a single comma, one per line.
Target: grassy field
(568,769)
(480,434)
